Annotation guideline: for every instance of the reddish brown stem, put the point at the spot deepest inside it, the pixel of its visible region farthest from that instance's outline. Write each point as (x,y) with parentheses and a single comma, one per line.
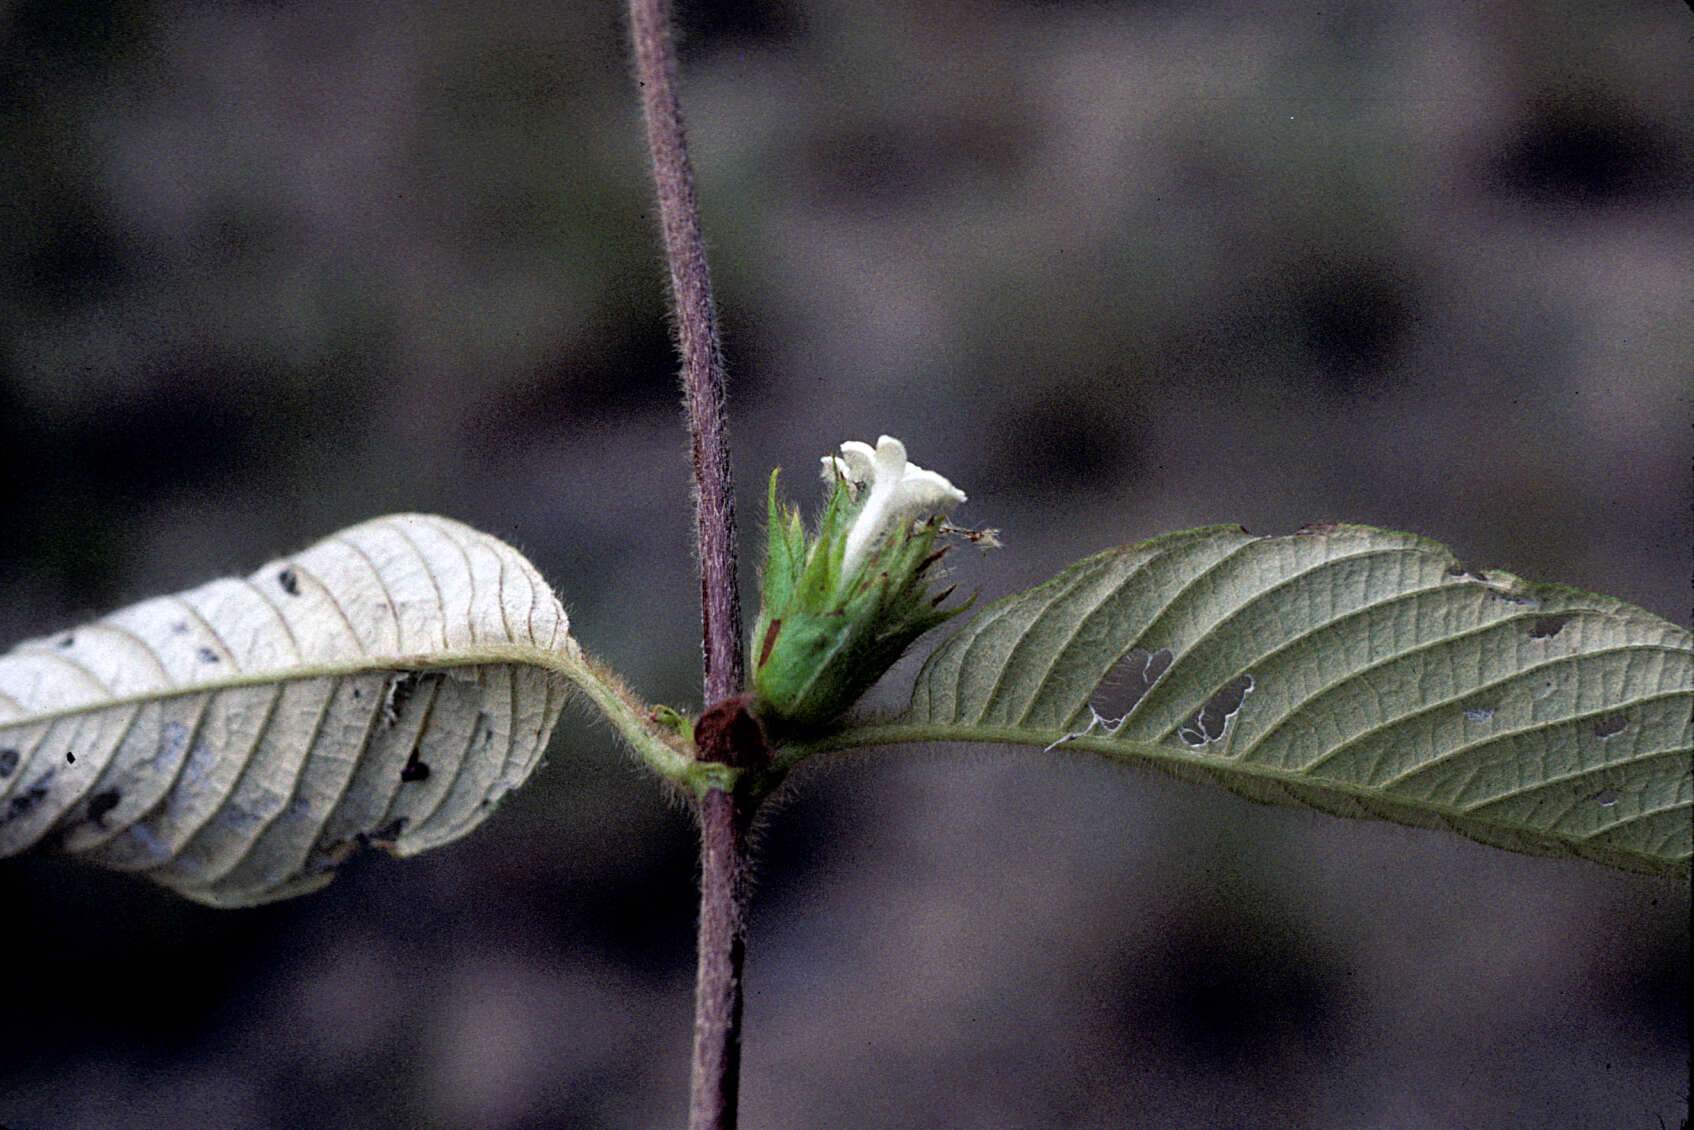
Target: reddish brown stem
(697,334)
(722,941)
(716,1070)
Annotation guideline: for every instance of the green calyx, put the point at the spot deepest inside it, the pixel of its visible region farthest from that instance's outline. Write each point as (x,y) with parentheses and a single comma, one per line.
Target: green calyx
(824,635)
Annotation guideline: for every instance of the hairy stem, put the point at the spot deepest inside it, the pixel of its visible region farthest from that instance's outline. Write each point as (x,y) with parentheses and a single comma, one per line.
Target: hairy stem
(722,945)
(722,937)
(697,334)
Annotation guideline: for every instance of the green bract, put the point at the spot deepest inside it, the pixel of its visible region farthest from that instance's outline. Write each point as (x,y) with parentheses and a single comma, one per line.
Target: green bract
(838,610)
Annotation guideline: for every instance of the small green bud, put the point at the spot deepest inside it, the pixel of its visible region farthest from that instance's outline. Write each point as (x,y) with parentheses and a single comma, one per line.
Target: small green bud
(840,608)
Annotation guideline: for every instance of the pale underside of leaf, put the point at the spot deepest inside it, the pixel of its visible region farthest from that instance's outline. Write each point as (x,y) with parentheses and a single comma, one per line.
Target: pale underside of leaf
(387,685)
(1358,671)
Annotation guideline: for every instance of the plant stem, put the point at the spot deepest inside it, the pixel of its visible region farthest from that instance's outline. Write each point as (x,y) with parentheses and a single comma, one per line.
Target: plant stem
(722,945)
(697,334)
(723,899)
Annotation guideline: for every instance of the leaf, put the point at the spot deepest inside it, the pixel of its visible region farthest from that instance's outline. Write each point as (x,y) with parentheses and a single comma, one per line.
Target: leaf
(237,741)
(1354,670)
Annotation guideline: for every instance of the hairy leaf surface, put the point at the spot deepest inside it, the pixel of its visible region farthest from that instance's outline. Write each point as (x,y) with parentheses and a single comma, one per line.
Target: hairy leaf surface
(1355,670)
(237,741)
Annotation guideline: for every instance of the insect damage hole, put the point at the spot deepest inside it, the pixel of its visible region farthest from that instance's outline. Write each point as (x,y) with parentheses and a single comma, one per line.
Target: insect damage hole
(396,695)
(289,580)
(415,769)
(8,761)
(385,837)
(1208,724)
(1126,684)
(1548,626)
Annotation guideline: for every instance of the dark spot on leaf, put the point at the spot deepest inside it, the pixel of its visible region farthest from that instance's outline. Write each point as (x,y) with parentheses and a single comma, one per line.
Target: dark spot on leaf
(70,757)
(8,761)
(414,769)
(358,693)
(1547,627)
(67,640)
(180,628)
(1208,724)
(31,797)
(290,582)
(206,655)
(1479,713)
(102,803)
(1609,725)
(770,641)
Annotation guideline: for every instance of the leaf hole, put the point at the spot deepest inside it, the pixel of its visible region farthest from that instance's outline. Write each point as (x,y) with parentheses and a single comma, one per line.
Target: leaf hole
(415,769)
(395,697)
(1208,724)
(289,580)
(1127,683)
(1609,725)
(206,655)
(386,836)
(1479,714)
(1547,627)
(1607,798)
(67,640)
(70,757)
(8,761)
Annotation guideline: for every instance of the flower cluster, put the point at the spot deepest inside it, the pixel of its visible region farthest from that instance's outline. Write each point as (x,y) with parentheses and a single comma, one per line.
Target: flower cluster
(840,607)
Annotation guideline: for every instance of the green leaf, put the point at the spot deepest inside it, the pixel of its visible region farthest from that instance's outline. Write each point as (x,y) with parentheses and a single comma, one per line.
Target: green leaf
(1358,671)
(237,741)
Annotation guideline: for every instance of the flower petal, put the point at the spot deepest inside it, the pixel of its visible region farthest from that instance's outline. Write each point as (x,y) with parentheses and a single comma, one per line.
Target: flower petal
(925,492)
(860,460)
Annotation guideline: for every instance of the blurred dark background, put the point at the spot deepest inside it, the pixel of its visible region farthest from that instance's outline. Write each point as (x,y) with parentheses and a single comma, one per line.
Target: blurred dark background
(269,268)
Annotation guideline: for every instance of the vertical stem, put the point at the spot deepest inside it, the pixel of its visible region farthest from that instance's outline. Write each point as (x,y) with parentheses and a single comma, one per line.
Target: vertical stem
(722,943)
(716,1072)
(697,333)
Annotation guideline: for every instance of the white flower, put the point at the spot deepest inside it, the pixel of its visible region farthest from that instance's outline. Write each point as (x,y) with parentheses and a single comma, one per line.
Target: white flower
(899,492)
